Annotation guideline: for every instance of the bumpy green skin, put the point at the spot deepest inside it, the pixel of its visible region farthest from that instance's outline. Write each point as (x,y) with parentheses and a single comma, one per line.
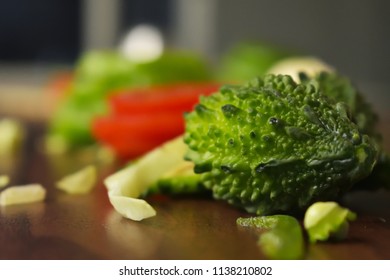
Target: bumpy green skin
(189,184)
(380,176)
(273,146)
(341,89)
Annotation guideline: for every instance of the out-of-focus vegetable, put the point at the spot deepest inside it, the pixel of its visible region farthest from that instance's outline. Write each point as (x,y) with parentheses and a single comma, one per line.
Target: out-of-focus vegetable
(292,66)
(127,185)
(336,86)
(276,146)
(332,84)
(99,73)
(177,97)
(142,43)
(246,60)
(22,194)
(283,238)
(57,89)
(380,176)
(11,136)
(4,180)
(142,119)
(80,182)
(341,89)
(59,85)
(131,137)
(327,220)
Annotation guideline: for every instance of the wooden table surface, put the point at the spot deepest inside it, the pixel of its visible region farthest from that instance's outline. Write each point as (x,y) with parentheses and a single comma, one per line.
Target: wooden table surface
(86,226)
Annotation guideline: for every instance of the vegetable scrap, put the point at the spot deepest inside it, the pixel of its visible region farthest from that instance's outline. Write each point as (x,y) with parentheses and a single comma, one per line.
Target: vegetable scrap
(22,194)
(80,182)
(283,238)
(12,134)
(327,220)
(4,180)
(127,185)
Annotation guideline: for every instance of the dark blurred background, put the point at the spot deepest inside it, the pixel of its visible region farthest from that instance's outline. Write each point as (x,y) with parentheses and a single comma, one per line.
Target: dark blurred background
(351,35)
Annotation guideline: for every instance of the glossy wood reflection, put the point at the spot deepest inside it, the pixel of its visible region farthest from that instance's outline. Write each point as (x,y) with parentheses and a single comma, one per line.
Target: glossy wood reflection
(86,226)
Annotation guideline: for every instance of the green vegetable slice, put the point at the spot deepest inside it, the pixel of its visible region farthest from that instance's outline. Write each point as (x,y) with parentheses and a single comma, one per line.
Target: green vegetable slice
(127,185)
(326,220)
(284,238)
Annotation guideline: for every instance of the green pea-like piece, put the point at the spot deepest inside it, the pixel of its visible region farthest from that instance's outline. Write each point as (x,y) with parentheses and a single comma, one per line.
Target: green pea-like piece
(283,238)
(327,220)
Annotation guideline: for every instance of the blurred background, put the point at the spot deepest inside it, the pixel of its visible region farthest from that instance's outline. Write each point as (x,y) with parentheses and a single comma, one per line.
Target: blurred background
(352,35)
(41,35)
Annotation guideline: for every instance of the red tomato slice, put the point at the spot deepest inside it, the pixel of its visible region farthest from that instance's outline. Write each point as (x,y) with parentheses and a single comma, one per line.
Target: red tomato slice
(126,149)
(142,119)
(132,136)
(144,125)
(180,98)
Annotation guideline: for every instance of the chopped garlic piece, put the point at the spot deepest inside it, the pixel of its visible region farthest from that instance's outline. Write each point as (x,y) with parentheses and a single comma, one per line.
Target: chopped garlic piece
(22,194)
(4,180)
(124,199)
(80,182)
(132,208)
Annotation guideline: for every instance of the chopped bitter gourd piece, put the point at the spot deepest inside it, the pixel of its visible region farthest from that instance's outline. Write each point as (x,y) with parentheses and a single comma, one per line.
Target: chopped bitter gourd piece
(179,180)
(283,238)
(327,220)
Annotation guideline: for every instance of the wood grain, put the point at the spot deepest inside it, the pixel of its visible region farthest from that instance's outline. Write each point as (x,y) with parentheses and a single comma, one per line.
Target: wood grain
(86,227)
